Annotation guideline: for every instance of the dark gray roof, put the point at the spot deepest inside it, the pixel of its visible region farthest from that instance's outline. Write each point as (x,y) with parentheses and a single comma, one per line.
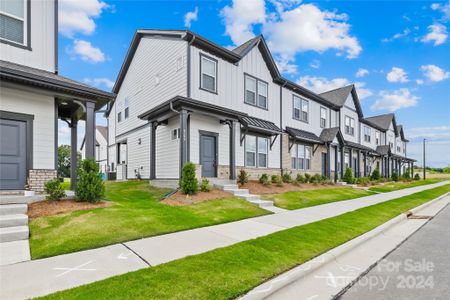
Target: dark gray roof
(247,46)
(338,96)
(381,121)
(103,131)
(383,149)
(255,124)
(358,146)
(401,133)
(328,134)
(303,135)
(48,80)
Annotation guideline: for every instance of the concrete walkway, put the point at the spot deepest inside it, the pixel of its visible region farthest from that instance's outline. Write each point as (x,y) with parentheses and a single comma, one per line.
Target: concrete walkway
(40,277)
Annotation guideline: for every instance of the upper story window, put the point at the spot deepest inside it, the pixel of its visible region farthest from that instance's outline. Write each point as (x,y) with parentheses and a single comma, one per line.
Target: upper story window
(377,137)
(256,151)
(349,125)
(323,117)
(399,149)
(127,109)
(367,134)
(119,117)
(391,145)
(256,92)
(13,20)
(208,74)
(301,109)
(301,157)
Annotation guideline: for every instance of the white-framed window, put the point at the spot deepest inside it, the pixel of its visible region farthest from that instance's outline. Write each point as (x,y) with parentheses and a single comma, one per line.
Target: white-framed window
(399,150)
(256,151)
(208,74)
(391,145)
(346,160)
(367,134)
(256,91)
(175,133)
(13,20)
(127,109)
(119,117)
(349,125)
(301,157)
(300,108)
(377,137)
(323,117)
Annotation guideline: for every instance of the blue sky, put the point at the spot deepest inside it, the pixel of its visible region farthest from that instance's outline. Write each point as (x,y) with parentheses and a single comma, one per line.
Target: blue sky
(396,52)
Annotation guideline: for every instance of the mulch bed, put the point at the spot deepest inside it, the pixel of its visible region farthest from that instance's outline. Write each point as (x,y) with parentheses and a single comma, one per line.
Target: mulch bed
(254,187)
(50,208)
(179,199)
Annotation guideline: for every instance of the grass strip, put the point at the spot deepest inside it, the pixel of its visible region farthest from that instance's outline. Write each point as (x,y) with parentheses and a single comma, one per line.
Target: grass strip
(229,272)
(395,186)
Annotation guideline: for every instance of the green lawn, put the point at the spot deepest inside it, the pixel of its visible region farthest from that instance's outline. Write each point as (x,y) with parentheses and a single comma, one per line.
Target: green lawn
(66,184)
(307,198)
(394,186)
(136,213)
(229,272)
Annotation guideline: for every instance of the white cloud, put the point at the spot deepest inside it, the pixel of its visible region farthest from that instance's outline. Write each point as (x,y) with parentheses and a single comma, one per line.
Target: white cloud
(64,133)
(419,81)
(362,72)
(190,16)
(99,82)
(87,52)
(394,100)
(397,75)
(315,64)
(434,73)
(437,33)
(77,16)
(443,8)
(322,84)
(397,36)
(362,92)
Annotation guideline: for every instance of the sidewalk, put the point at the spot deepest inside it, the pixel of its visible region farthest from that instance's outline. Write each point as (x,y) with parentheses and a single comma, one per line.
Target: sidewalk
(41,277)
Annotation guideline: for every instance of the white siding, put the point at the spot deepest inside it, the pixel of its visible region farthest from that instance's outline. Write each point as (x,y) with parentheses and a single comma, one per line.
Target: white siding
(138,154)
(43,109)
(372,144)
(42,53)
(167,151)
(352,114)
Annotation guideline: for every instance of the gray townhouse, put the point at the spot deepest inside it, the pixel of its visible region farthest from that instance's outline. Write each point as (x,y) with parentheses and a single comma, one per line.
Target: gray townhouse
(181,97)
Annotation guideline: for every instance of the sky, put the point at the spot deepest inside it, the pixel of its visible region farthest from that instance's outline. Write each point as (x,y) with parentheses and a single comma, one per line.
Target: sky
(397,53)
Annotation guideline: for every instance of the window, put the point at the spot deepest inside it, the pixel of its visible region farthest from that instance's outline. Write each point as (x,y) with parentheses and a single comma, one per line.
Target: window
(377,137)
(391,145)
(301,109)
(346,160)
(127,110)
(323,117)
(367,134)
(13,17)
(301,157)
(256,151)
(119,117)
(256,92)
(349,125)
(208,70)
(399,149)
(176,134)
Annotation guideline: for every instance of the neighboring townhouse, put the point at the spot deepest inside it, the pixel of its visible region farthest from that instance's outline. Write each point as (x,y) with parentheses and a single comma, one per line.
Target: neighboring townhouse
(33,96)
(181,97)
(101,147)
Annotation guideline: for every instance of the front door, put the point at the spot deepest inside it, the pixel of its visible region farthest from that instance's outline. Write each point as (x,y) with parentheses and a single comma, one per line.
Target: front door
(13,151)
(208,155)
(324,164)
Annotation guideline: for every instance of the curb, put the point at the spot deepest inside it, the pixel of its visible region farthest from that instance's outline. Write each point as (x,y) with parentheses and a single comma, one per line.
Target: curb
(294,274)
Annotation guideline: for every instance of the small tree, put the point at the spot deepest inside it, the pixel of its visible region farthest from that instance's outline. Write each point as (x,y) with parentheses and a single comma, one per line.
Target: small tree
(90,186)
(307,178)
(242,177)
(54,190)
(300,178)
(394,176)
(348,176)
(286,177)
(375,174)
(204,186)
(264,179)
(64,160)
(276,179)
(189,184)
(417,176)
(407,174)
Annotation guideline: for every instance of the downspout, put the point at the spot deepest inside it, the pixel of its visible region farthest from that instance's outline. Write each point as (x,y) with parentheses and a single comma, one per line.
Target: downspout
(281,125)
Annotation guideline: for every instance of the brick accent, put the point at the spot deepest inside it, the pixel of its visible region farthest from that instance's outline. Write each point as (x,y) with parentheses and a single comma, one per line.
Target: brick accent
(38,177)
(255,173)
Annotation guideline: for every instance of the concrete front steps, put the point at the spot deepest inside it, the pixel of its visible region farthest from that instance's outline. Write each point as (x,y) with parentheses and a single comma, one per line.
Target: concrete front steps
(14,232)
(232,187)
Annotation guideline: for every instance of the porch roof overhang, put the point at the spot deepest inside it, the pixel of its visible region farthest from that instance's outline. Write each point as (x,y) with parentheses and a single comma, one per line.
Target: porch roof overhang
(329,134)
(303,136)
(171,107)
(259,126)
(359,147)
(402,158)
(383,150)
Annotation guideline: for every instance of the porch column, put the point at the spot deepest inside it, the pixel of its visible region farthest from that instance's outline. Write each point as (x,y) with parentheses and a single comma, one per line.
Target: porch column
(183,139)
(365,163)
(90,130)
(73,153)
(382,170)
(350,158)
(336,163)
(388,166)
(153,151)
(328,170)
(358,164)
(342,161)
(412,169)
(232,126)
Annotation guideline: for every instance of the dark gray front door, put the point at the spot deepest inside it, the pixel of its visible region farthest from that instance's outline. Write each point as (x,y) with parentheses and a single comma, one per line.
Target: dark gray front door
(13,151)
(324,164)
(208,153)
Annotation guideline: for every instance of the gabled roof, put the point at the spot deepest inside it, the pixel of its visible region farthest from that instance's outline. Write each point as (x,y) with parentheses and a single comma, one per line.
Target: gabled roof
(383,122)
(338,97)
(358,146)
(401,133)
(303,135)
(329,134)
(247,46)
(103,131)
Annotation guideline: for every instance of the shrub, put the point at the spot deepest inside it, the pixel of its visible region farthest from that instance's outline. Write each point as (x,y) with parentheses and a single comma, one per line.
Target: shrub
(54,190)
(364,181)
(286,177)
(300,178)
(316,178)
(376,174)
(242,177)
(264,179)
(394,176)
(417,176)
(348,176)
(90,186)
(323,179)
(276,179)
(188,184)
(407,174)
(204,186)
(307,178)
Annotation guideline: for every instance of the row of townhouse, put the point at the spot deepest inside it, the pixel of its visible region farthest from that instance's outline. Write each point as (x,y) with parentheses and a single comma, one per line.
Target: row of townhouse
(181,97)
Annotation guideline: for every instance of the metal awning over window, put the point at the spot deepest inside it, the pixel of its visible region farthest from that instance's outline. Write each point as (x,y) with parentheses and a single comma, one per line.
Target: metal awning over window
(259,126)
(303,136)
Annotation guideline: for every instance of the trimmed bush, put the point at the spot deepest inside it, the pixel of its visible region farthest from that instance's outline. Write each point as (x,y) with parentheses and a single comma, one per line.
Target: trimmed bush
(307,178)
(375,174)
(417,176)
(407,174)
(300,178)
(204,186)
(316,179)
(189,183)
(286,177)
(90,186)
(363,181)
(348,176)
(264,179)
(54,190)
(242,177)
(276,179)
(394,176)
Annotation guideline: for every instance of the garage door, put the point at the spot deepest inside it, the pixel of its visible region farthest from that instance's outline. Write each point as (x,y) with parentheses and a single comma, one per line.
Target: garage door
(13,151)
